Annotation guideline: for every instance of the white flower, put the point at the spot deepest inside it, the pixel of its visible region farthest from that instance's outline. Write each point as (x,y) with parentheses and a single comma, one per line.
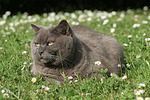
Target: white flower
(75,81)
(113,12)
(147,98)
(24,52)
(119,19)
(98,25)
(2,22)
(103,17)
(43,86)
(138,56)
(102,80)
(119,65)
(125,44)
(112,30)
(136,25)
(124,77)
(70,78)
(89,19)
(33,80)
(129,36)
(73,16)
(122,15)
(47,88)
(147,39)
(144,34)
(73,23)
(2,91)
(136,92)
(144,22)
(141,91)
(97,63)
(114,25)
(122,93)
(105,21)
(6,95)
(7,13)
(113,75)
(70,82)
(145,8)
(139,98)
(1,48)
(141,85)
(24,63)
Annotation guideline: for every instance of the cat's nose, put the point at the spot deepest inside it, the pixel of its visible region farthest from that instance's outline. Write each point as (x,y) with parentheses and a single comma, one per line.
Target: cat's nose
(40,52)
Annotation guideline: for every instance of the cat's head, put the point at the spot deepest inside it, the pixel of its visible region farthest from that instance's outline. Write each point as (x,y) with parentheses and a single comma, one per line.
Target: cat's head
(52,45)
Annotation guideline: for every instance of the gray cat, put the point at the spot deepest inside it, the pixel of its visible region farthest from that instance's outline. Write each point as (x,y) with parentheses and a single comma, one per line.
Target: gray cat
(62,50)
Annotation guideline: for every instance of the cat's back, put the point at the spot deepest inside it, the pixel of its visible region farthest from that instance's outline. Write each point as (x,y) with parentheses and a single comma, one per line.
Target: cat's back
(88,36)
(99,44)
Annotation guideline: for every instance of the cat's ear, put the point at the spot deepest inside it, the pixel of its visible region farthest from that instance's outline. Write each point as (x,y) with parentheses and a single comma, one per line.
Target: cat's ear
(35,27)
(64,28)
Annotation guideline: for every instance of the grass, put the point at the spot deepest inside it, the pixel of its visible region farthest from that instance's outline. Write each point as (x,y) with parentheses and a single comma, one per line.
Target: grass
(131,30)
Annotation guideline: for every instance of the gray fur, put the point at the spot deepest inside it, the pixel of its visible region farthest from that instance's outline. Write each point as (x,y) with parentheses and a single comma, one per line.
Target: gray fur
(74,51)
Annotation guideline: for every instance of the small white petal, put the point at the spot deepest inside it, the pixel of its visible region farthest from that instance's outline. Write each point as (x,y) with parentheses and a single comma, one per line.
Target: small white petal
(70,77)
(141,85)
(124,77)
(97,63)
(33,80)
(6,95)
(129,36)
(125,44)
(105,21)
(2,91)
(144,22)
(112,30)
(139,98)
(147,98)
(76,81)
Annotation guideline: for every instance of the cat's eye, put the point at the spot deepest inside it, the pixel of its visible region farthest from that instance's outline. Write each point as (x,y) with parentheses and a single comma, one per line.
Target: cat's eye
(37,44)
(50,43)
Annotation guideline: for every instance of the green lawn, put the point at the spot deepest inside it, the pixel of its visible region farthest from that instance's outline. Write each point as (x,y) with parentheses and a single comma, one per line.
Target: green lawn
(131,28)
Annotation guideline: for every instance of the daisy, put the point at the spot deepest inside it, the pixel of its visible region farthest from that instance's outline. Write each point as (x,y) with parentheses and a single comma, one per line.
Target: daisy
(75,81)
(47,88)
(105,21)
(139,98)
(147,98)
(2,91)
(122,93)
(136,25)
(129,36)
(141,91)
(124,77)
(33,80)
(24,52)
(112,30)
(125,44)
(136,92)
(43,86)
(6,95)
(97,63)
(141,85)
(70,77)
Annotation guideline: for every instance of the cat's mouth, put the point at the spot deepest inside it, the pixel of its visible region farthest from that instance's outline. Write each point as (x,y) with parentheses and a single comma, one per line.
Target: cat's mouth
(47,61)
